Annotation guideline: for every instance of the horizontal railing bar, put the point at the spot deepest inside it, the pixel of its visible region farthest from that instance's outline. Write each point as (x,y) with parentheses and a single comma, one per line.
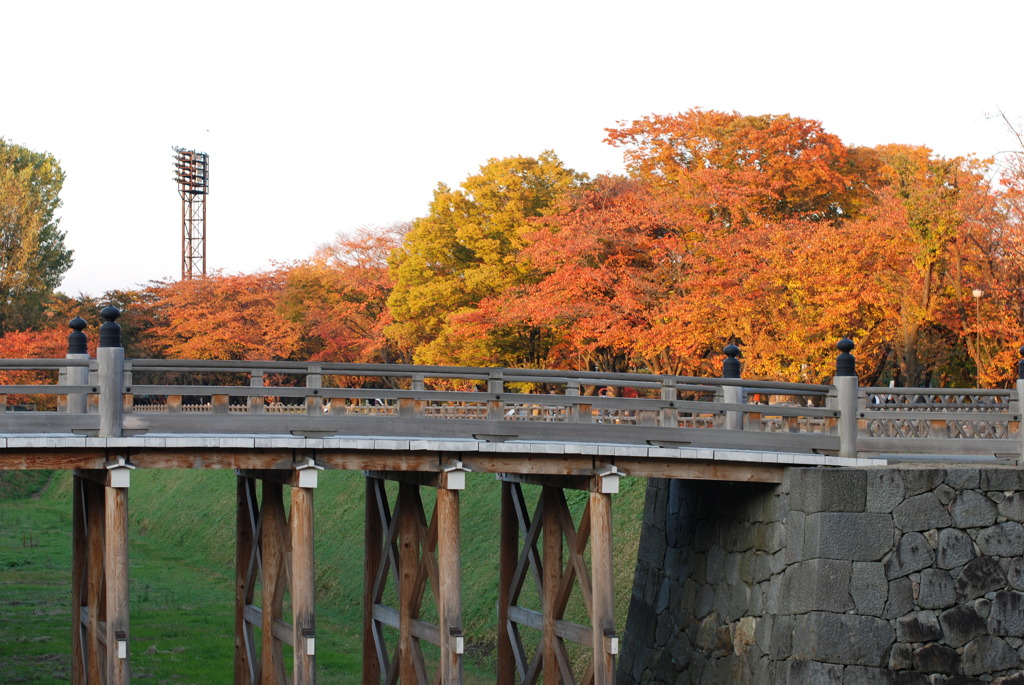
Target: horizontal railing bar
(981,392)
(43,364)
(778,410)
(467,373)
(598,402)
(47,389)
(974,417)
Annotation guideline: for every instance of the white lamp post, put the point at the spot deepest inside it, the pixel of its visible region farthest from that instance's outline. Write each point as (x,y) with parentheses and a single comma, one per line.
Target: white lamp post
(977,293)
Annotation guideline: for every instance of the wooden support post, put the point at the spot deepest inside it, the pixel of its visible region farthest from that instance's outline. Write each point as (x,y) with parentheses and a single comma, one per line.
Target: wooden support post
(272,545)
(95,654)
(556,579)
(374,551)
(552,581)
(602,613)
(450,586)
(302,589)
(418,557)
(116,578)
(507,560)
(245,560)
(79,566)
(408,563)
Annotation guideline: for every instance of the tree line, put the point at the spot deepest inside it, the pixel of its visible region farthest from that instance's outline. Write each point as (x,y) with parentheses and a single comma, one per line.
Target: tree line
(764,231)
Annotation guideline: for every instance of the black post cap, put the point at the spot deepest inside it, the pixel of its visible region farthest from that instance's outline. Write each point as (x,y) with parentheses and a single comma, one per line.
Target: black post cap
(77,343)
(846,365)
(110,332)
(731,365)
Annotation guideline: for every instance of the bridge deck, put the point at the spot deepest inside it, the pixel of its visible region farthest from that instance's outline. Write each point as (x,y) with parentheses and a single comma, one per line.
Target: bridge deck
(368,453)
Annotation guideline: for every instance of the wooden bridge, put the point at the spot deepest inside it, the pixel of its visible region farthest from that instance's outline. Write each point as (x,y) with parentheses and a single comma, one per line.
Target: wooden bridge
(279,424)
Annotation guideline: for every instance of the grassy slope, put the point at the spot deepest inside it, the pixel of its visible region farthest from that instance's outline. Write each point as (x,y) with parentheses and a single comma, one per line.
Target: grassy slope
(182,574)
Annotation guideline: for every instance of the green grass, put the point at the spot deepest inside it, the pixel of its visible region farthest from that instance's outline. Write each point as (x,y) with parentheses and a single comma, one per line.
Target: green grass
(182,537)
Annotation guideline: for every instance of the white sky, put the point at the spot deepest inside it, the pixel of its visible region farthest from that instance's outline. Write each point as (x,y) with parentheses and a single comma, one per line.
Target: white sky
(323,117)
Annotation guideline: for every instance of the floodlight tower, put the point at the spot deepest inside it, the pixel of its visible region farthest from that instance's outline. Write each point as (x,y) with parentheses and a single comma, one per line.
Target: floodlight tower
(192,174)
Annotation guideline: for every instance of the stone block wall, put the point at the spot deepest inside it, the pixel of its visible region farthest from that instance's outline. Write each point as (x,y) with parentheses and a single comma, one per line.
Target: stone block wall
(909,575)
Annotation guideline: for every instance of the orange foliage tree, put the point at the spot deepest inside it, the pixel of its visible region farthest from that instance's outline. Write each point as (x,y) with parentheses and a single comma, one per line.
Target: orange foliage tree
(222,317)
(339,298)
(729,228)
(48,343)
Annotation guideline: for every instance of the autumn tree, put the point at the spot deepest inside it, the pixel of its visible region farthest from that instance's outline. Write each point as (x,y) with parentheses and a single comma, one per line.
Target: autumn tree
(991,262)
(339,298)
(933,212)
(466,250)
(697,248)
(733,170)
(222,317)
(48,343)
(33,257)
(603,271)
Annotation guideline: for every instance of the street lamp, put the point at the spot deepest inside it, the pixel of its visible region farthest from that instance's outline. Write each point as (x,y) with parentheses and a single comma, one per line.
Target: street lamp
(977,293)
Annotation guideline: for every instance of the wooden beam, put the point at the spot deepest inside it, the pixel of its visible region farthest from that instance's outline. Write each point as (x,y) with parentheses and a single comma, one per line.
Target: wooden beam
(408,561)
(303,587)
(736,471)
(373,544)
(508,556)
(552,579)
(602,610)
(272,544)
(96,657)
(417,478)
(244,548)
(566,630)
(79,556)
(84,619)
(54,460)
(421,630)
(574,482)
(282,631)
(449,601)
(283,476)
(116,578)
(212,458)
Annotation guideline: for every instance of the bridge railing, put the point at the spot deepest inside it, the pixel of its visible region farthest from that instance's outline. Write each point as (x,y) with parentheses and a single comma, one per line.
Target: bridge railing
(112,396)
(406,400)
(927,420)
